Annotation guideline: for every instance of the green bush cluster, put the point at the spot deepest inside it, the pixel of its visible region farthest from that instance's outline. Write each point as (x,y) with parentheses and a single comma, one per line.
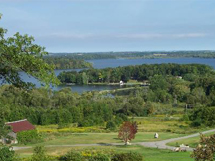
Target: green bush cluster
(77,156)
(6,154)
(30,136)
(44,107)
(204,116)
(127,157)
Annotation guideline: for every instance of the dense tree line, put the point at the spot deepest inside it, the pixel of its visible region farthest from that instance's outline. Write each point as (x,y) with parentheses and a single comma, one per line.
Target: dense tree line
(44,107)
(138,54)
(138,72)
(67,62)
(85,56)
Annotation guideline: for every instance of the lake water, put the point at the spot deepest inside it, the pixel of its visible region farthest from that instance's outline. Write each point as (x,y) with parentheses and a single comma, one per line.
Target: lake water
(104,63)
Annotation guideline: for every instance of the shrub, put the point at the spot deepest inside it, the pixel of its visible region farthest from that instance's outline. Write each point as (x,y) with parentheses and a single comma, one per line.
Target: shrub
(203,116)
(39,154)
(30,136)
(6,154)
(111,125)
(99,157)
(63,125)
(196,123)
(185,118)
(127,157)
(72,156)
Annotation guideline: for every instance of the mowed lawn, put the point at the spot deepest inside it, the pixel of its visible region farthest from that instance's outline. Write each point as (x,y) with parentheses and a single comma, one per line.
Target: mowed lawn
(149,154)
(92,138)
(192,142)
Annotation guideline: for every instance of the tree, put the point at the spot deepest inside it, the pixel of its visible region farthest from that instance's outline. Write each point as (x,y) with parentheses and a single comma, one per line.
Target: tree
(205,151)
(4,130)
(6,154)
(127,131)
(84,78)
(111,125)
(19,53)
(39,154)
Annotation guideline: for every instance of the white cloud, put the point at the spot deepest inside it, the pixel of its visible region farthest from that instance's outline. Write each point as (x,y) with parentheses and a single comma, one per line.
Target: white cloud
(155,36)
(69,36)
(189,35)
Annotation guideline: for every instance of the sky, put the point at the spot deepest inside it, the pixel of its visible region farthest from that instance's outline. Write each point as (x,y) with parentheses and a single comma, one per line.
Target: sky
(113,25)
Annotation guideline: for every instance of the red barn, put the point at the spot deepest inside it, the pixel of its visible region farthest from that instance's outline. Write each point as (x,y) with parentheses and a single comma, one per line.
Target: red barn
(18,126)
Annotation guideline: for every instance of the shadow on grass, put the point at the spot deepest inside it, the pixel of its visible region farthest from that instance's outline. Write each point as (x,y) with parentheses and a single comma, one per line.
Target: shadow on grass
(105,144)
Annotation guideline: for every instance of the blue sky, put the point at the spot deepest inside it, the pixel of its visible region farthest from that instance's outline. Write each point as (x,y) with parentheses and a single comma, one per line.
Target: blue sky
(113,25)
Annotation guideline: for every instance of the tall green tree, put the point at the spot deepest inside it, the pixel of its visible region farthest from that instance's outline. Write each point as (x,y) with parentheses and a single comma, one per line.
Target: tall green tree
(4,130)
(19,53)
(6,154)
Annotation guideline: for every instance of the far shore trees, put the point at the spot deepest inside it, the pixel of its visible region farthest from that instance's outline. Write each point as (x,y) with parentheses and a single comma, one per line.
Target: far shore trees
(127,131)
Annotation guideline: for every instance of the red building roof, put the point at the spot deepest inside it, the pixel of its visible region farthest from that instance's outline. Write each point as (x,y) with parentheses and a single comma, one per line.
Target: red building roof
(21,125)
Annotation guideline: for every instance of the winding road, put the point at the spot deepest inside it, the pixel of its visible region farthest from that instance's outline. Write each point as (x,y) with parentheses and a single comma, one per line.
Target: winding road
(156,144)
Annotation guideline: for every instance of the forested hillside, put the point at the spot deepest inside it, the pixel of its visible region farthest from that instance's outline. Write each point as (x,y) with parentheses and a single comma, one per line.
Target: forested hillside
(165,95)
(139,72)
(67,62)
(139,54)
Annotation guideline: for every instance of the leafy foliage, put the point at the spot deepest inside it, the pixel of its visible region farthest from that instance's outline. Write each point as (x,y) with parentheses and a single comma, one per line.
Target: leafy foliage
(39,154)
(19,53)
(127,131)
(30,136)
(72,156)
(127,157)
(111,125)
(205,151)
(6,154)
(203,116)
(4,130)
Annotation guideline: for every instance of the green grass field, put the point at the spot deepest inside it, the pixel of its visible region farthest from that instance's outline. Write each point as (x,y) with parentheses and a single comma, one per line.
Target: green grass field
(92,138)
(167,127)
(192,142)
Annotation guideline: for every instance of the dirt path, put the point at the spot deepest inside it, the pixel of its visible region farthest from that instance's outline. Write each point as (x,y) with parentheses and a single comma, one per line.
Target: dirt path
(155,144)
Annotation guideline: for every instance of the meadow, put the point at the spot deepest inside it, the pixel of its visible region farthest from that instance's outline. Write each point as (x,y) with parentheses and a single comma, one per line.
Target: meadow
(58,141)
(192,142)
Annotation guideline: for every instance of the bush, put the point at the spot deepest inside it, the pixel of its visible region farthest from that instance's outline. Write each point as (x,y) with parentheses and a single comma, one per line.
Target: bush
(72,156)
(99,157)
(185,118)
(39,154)
(6,154)
(196,123)
(203,116)
(110,125)
(127,157)
(25,137)
(62,125)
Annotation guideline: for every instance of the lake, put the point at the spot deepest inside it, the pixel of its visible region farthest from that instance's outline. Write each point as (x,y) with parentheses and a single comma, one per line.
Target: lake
(104,63)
